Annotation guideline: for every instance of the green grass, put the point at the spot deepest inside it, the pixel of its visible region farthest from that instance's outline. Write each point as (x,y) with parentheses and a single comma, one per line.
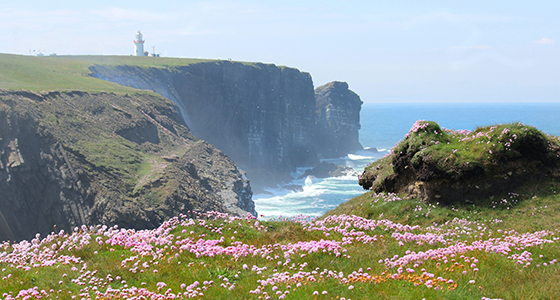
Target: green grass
(60,73)
(534,207)
(117,156)
(495,276)
(485,147)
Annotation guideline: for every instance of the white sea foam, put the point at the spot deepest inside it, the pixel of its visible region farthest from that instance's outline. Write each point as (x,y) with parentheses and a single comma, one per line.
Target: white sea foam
(359,157)
(308,181)
(318,196)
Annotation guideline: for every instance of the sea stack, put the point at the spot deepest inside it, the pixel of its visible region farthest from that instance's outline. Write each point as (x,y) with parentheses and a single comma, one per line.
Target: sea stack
(338,119)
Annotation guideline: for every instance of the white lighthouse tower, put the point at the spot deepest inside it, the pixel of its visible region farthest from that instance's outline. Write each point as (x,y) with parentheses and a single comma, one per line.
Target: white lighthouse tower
(139,44)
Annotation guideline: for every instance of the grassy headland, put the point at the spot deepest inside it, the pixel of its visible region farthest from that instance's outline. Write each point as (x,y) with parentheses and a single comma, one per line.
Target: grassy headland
(61,73)
(87,126)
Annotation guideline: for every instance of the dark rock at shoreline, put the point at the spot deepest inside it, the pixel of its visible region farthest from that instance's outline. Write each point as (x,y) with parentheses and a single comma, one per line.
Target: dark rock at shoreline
(293,187)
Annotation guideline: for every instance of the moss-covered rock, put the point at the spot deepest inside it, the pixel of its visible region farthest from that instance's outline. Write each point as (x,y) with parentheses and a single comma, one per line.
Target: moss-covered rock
(449,166)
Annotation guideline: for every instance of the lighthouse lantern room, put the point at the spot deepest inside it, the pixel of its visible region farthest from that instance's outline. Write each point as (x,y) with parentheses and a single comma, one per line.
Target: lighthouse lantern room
(139,44)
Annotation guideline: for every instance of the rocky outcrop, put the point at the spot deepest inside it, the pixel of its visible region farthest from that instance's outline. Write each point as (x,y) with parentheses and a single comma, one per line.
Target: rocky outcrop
(73,158)
(450,167)
(338,119)
(265,117)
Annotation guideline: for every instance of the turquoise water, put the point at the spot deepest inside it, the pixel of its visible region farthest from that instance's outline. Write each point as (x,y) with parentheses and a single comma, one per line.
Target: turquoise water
(383,125)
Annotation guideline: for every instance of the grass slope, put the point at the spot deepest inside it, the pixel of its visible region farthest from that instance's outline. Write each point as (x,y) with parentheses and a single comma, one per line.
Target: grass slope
(376,246)
(71,72)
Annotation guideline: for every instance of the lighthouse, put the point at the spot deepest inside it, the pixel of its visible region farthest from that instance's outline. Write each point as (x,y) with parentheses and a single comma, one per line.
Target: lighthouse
(138,44)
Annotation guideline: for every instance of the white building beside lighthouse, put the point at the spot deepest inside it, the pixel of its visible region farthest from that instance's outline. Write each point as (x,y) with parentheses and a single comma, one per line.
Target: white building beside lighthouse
(139,44)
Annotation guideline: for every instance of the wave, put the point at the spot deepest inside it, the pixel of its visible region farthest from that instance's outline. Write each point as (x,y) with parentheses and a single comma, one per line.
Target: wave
(359,157)
(317,196)
(313,196)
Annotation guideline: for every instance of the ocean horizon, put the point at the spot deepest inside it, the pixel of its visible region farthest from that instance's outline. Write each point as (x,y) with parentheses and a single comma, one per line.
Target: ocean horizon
(382,126)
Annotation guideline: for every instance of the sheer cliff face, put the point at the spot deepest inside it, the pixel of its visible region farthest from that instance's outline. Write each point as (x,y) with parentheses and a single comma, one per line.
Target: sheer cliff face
(68,159)
(263,116)
(36,179)
(338,119)
(260,115)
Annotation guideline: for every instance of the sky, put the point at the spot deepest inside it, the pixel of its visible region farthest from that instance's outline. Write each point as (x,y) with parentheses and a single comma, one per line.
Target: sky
(387,51)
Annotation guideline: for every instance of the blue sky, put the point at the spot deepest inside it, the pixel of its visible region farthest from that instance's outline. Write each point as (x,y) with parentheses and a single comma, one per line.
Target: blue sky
(387,51)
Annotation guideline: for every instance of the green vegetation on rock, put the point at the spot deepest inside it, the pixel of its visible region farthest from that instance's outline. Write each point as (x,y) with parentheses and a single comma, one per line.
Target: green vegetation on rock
(449,166)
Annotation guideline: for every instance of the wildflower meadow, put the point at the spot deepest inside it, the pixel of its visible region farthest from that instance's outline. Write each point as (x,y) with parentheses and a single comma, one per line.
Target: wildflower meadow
(392,248)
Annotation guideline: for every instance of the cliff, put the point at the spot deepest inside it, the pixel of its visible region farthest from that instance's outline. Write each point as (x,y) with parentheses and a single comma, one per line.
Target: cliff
(268,119)
(338,119)
(73,158)
(450,167)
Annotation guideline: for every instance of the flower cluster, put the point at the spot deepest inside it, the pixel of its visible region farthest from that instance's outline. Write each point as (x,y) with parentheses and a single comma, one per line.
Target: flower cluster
(418,125)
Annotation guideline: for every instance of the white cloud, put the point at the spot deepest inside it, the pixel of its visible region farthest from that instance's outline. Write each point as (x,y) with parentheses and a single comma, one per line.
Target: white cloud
(410,20)
(544,41)
(186,31)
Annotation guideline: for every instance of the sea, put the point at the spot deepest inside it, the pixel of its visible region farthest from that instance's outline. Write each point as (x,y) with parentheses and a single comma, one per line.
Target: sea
(382,126)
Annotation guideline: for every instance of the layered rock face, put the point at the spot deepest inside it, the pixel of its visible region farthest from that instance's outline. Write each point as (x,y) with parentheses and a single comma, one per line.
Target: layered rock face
(260,115)
(266,118)
(338,119)
(73,158)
